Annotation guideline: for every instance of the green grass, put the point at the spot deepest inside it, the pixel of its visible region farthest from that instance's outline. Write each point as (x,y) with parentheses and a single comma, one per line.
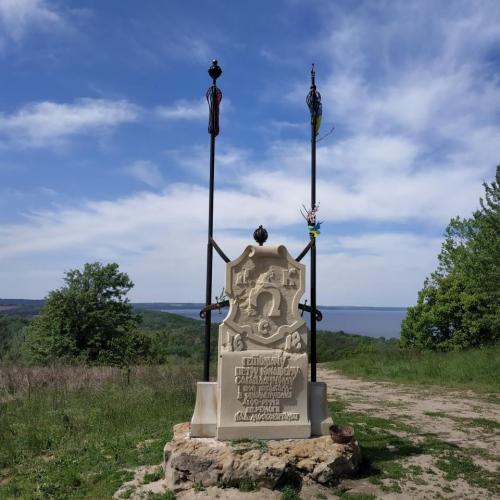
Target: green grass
(247,485)
(467,423)
(289,493)
(384,453)
(243,445)
(152,477)
(168,495)
(477,369)
(72,438)
(358,496)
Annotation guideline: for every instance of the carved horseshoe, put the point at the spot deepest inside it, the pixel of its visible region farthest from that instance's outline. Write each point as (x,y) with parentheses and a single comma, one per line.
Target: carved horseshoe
(275,307)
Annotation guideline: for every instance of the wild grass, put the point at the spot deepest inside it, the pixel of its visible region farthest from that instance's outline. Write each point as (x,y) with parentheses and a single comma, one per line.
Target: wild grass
(476,369)
(76,432)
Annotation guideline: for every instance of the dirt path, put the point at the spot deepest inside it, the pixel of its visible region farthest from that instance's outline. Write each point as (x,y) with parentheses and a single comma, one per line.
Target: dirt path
(454,420)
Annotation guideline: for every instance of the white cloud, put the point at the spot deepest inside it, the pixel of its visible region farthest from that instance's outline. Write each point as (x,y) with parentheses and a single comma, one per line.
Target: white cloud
(374,269)
(163,235)
(184,110)
(45,123)
(17,17)
(147,172)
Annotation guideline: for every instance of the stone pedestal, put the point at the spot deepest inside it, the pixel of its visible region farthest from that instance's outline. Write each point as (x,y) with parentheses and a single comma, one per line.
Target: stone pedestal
(268,464)
(204,420)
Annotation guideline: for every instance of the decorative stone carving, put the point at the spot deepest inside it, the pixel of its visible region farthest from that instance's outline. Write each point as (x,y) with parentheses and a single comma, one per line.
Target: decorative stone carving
(264,286)
(263,365)
(262,389)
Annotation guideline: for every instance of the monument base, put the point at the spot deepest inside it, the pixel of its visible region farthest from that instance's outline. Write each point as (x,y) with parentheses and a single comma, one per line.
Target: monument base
(268,464)
(204,420)
(318,409)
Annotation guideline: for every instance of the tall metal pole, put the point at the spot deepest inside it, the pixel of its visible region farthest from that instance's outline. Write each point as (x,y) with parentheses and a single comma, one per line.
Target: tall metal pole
(214,96)
(314,104)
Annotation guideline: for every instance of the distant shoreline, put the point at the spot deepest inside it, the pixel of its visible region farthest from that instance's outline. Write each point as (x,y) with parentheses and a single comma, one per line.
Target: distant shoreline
(10,304)
(192,305)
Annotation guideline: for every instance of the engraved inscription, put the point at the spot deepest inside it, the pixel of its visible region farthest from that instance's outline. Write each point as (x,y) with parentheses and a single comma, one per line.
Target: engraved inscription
(262,384)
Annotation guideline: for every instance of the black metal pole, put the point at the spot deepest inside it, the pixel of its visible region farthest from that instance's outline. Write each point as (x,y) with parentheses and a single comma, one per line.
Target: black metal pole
(314,103)
(214,96)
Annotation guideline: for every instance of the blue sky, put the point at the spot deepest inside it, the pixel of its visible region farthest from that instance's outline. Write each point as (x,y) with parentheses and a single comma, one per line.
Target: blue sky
(104,143)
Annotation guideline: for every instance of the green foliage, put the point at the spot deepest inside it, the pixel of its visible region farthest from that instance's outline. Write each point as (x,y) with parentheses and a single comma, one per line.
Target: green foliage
(198,487)
(173,336)
(12,335)
(152,477)
(247,485)
(289,493)
(168,495)
(459,306)
(332,346)
(88,319)
(243,445)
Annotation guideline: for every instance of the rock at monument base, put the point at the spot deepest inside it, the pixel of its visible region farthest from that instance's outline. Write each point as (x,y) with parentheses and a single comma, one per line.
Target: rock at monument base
(267,463)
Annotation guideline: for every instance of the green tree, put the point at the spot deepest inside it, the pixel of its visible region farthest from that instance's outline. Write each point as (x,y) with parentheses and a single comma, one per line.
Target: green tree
(459,305)
(88,319)
(12,334)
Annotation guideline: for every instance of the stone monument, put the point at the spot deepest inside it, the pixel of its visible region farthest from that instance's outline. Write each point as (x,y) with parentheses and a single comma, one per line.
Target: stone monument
(262,389)
(262,421)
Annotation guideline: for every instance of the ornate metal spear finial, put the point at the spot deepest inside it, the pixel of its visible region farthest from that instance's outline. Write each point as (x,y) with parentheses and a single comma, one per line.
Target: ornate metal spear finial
(260,235)
(215,70)
(214,97)
(314,102)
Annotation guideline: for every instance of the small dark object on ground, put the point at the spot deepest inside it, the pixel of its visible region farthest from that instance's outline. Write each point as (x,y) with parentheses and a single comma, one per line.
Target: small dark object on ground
(341,434)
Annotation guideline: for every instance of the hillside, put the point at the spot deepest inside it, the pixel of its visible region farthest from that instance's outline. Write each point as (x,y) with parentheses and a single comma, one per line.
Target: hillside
(172,336)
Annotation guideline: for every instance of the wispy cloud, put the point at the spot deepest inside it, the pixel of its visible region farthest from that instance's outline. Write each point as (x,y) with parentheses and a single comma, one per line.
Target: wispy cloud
(154,234)
(184,110)
(45,123)
(17,17)
(190,48)
(146,172)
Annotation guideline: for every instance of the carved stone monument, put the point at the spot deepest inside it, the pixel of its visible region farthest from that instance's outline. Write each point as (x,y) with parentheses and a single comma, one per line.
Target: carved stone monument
(262,389)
